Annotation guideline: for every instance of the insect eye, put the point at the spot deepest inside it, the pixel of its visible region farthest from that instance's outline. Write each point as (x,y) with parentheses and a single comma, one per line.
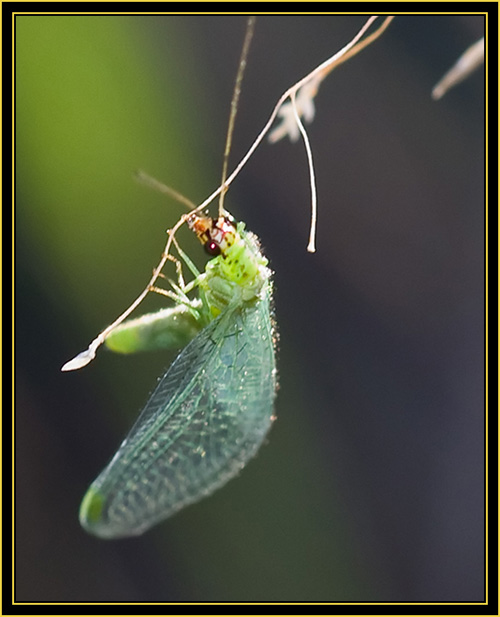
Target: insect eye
(212,248)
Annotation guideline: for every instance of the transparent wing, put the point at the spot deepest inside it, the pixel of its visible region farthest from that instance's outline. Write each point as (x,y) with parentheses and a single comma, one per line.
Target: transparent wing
(206,418)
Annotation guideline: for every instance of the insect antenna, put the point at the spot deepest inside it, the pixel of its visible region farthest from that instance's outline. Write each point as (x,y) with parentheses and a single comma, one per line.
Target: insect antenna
(234,107)
(147,180)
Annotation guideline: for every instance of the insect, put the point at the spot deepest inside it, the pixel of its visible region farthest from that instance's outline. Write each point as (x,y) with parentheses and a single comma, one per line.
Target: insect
(213,408)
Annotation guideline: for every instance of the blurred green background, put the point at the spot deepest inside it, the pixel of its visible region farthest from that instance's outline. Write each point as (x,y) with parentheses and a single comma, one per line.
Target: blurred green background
(371,486)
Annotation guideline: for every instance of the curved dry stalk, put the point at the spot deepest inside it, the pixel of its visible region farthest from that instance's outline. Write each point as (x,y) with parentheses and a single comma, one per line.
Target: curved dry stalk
(311,247)
(318,73)
(83,358)
(468,62)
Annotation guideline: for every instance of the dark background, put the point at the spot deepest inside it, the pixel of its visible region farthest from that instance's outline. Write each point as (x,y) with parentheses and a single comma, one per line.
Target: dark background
(371,486)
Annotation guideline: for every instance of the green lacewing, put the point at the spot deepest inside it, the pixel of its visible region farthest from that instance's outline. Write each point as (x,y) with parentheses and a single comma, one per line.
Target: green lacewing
(212,409)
